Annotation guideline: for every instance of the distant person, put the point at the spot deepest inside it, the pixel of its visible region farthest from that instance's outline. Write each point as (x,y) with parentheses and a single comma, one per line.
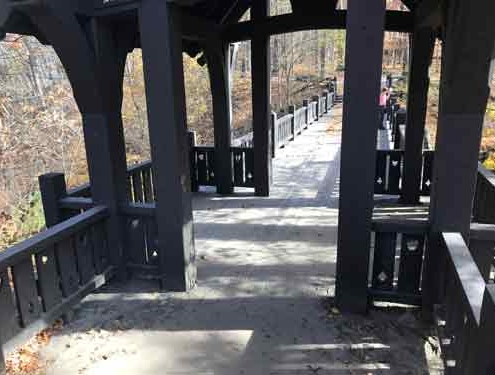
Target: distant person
(389,80)
(384,96)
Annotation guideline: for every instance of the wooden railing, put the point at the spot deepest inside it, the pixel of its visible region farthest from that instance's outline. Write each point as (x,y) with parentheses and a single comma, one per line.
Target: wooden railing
(389,172)
(203,166)
(42,277)
(466,316)
(284,129)
(398,250)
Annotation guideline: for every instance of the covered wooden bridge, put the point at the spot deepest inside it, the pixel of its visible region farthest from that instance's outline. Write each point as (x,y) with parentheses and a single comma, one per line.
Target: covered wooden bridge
(138,222)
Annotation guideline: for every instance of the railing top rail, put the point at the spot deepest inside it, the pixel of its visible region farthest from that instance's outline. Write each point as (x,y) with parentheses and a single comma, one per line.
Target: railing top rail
(393,224)
(139,166)
(285,117)
(240,148)
(481,231)
(467,273)
(79,190)
(49,237)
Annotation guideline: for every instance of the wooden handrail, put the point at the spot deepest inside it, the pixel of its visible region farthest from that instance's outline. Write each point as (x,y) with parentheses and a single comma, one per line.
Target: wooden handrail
(51,236)
(466,272)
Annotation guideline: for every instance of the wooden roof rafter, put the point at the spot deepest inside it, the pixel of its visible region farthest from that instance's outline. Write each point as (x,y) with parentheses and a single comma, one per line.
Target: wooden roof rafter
(395,21)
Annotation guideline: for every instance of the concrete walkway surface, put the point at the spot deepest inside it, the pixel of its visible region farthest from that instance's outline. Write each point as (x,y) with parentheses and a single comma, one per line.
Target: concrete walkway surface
(263,304)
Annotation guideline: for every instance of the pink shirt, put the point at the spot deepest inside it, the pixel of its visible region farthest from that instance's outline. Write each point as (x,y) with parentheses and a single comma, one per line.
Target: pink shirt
(383,99)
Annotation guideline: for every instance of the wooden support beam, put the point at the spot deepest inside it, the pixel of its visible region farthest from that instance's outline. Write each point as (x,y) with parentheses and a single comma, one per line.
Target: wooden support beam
(286,23)
(364,42)
(464,92)
(423,43)
(166,105)
(95,67)
(236,11)
(217,56)
(429,13)
(260,70)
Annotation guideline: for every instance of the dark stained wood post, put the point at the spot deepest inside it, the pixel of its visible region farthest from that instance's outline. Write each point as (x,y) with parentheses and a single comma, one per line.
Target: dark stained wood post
(161,44)
(217,57)
(464,92)
(95,71)
(260,70)
(365,30)
(423,42)
(52,188)
(104,135)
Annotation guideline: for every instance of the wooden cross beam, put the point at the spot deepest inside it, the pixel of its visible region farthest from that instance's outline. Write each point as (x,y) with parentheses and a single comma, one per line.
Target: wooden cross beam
(286,23)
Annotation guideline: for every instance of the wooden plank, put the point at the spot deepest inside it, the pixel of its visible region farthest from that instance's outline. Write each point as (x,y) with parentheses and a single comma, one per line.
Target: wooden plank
(138,209)
(67,266)
(384,261)
(100,247)
(26,293)
(238,157)
(364,41)
(136,241)
(147,186)
(152,249)
(75,203)
(391,224)
(202,167)
(394,173)
(483,253)
(9,317)
(393,296)
(411,261)
(137,186)
(84,256)
(381,172)
(48,279)
(249,165)
(426,179)
(212,173)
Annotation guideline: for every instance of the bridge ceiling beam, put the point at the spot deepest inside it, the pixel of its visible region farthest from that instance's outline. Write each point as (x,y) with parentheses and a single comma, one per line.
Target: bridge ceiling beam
(429,13)
(236,11)
(301,6)
(286,23)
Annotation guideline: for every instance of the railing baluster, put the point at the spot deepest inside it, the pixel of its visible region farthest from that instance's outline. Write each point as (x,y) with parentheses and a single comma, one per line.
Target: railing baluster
(84,255)
(384,260)
(26,291)
(9,318)
(67,265)
(48,279)
(411,261)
